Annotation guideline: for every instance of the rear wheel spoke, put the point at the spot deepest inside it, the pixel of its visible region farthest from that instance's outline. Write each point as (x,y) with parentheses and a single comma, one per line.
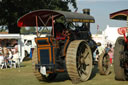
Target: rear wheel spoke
(85,54)
(84,72)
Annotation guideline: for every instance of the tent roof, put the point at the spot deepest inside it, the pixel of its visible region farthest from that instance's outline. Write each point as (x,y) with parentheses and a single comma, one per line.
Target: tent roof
(29,19)
(10,36)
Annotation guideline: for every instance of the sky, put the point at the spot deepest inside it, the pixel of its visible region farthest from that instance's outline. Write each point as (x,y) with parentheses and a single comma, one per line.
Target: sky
(100,10)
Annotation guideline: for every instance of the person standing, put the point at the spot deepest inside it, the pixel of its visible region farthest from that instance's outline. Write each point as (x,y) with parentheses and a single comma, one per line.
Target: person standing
(110,53)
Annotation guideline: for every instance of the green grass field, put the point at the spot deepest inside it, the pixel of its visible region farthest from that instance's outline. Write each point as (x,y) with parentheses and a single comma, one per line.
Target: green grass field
(25,76)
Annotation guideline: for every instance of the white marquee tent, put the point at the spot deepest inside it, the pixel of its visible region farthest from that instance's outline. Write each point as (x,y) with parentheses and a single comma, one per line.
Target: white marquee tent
(111,34)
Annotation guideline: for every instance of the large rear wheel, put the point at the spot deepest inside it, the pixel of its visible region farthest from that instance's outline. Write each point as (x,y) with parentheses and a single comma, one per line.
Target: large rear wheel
(79,61)
(104,64)
(119,71)
(37,73)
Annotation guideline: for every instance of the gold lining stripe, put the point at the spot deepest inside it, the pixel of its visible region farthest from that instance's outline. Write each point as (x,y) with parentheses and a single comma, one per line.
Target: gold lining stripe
(120,14)
(80,20)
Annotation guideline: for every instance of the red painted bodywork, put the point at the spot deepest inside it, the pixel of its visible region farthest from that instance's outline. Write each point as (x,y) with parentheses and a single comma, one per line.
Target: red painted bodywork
(122,31)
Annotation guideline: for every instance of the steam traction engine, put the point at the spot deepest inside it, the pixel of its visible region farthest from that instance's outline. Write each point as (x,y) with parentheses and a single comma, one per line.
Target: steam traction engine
(121,47)
(67,47)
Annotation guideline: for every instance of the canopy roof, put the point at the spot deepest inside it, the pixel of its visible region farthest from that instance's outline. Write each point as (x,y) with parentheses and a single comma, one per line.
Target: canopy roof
(29,19)
(120,15)
(10,36)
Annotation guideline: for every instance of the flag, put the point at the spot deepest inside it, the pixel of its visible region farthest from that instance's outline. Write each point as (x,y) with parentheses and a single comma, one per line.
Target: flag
(97,27)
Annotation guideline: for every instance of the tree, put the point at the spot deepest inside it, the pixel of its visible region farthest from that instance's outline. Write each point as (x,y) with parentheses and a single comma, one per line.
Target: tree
(11,10)
(3,28)
(28,30)
(23,30)
(32,30)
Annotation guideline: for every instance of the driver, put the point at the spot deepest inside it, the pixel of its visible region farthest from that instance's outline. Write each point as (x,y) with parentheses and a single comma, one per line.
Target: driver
(60,31)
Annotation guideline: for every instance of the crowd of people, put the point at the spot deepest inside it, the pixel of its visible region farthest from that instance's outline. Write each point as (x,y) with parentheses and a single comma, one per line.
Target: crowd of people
(108,49)
(8,55)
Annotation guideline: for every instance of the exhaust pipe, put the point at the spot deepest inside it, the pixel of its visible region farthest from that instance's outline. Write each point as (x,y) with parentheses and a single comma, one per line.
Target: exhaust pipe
(86,25)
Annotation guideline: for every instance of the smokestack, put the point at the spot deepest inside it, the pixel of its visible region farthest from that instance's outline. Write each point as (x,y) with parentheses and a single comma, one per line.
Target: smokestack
(87,25)
(86,11)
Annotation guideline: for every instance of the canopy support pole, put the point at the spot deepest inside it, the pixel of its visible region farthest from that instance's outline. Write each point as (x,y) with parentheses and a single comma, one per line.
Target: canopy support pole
(37,26)
(53,25)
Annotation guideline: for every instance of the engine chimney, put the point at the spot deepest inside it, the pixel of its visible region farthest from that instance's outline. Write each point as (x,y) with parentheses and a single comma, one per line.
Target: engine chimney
(87,25)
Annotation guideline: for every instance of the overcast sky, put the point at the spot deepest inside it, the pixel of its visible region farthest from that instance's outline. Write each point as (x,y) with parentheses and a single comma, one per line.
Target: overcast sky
(100,10)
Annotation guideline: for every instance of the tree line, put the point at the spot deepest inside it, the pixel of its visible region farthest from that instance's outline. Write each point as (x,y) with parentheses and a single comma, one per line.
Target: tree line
(12,10)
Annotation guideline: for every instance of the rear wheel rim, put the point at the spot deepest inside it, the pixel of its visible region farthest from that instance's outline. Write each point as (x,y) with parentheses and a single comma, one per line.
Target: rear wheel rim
(119,71)
(84,64)
(104,64)
(76,62)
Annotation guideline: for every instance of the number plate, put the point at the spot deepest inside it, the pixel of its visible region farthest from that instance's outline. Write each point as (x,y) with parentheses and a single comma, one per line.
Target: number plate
(43,70)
